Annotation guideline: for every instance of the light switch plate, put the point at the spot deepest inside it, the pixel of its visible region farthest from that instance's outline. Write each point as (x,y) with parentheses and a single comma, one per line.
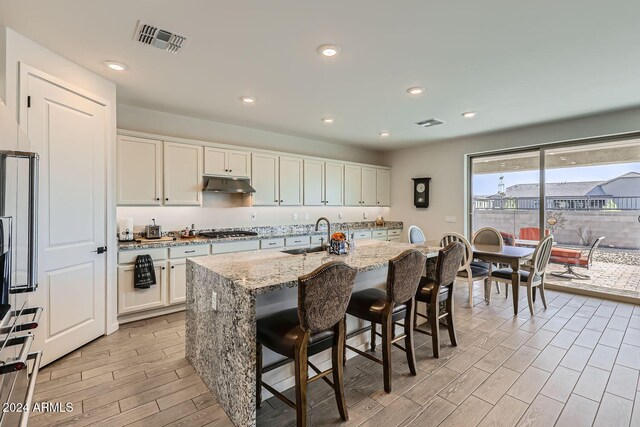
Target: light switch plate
(364,215)
(214,301)
(253,217)
(451,219)
(295,216)
(306,216)
(340,215)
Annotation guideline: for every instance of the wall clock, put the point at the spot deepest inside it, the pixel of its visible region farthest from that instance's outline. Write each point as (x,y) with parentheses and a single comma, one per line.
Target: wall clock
(421,192)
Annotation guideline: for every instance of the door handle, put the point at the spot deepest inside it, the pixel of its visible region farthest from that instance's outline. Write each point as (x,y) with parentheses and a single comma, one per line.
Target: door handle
(100,250)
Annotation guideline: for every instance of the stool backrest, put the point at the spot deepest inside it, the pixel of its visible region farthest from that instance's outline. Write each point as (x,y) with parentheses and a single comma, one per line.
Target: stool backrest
(415,234)
(468,252)
(323,295)
(488,236)
(404,275)
(540,258)
(449,260)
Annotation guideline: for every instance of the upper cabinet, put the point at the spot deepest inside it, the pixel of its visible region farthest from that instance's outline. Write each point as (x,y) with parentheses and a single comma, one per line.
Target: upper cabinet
(139,171)
(264,179)
(291,171)
(314,177)
(352,185)
(218,161)
(333,183)
(182,174)
(369,187)
(382,187)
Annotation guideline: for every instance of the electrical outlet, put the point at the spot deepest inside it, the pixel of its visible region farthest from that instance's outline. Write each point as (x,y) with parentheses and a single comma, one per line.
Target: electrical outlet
(364,215)
(214,301)
(295,216)
(340,215)
(306,216)
(253,217)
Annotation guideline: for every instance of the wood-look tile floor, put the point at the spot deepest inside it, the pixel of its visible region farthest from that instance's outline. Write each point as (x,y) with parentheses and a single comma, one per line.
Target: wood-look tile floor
(575,364)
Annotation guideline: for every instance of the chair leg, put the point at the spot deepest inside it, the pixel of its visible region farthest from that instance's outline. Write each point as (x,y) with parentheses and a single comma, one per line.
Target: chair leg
(487,290)
(534,291)
(542,297)
(450,324)
(470,280)
(344,341)
(337,355)
(373,336)
(506,289)
(530,298)
(387,325)
(434,314)
(258,375)
(498,287)
(302,376)
(408,340)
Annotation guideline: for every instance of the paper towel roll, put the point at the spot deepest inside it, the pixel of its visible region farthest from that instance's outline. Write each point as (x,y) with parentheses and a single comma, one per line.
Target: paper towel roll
(125,229)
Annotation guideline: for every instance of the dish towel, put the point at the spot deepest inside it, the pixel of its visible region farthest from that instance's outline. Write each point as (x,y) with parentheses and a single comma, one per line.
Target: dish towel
(144,273)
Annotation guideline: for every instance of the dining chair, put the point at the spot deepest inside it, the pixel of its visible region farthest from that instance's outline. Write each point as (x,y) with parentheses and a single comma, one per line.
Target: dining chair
(488,236)
(415,235)
(472,273)
(532,274)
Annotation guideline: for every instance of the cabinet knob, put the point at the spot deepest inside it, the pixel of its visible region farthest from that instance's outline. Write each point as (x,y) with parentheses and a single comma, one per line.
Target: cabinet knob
(276,201)
(158,199)
(281,201)
(230,170)
(173,266)
(163,268)
(167,198)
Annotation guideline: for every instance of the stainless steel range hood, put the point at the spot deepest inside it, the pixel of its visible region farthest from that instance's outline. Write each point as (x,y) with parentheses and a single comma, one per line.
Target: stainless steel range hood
(227,185)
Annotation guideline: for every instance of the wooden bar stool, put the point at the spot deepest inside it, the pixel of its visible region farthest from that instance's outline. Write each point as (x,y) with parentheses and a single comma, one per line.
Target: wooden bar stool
(387,308)
(316,325)
(436,288)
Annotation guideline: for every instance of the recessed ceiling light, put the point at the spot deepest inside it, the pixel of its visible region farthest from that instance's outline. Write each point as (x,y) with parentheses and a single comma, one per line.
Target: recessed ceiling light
(329,50)
(328,120)
(573,163)
(469,114)
(563,158)
(415,90)
(116,66)
(551,154)
(384,133)
(248,99)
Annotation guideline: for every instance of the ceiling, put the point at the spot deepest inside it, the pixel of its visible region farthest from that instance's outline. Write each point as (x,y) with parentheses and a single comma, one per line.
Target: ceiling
(516,63)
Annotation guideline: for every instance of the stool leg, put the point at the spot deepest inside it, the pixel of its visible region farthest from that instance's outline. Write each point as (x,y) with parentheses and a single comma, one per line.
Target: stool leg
(434,314)
(258,375)
(387,325)
(408,332)
(450,326)
(302,376)
(373,336)
(337,353)
(344,342)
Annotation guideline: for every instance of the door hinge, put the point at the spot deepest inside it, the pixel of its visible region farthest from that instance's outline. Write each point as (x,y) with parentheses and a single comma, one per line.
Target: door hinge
(29,101)
(100,250)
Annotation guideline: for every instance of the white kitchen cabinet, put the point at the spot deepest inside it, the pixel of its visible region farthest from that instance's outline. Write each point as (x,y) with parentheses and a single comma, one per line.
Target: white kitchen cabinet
(221,162)
(182,174)
(369,187)
(131,300)
(139,171)
(264,179)
(177,281)
(314,179)
(352,185)
(382,187)
(333,183)
(291,177)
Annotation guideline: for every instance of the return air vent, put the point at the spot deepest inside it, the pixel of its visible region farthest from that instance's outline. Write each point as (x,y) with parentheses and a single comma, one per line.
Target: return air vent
(430,123)
(151,35)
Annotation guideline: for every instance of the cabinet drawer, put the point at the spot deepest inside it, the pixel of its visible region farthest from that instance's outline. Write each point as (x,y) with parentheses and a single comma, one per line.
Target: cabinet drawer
(317,240)
(383,238)
(239,246)
(395,232)
(362,234)
(297,241)
(379,233)
(271,243)
(126,257)
(394,239)
(188,251)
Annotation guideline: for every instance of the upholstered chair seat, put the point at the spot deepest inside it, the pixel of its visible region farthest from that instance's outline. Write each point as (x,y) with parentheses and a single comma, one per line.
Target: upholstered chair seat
(369,305)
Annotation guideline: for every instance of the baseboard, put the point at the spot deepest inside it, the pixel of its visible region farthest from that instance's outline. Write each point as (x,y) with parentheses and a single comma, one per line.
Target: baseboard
(132,317)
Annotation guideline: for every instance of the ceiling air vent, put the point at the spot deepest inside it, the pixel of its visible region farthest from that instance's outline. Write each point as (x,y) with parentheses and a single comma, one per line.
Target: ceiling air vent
(151,35)
(430,123)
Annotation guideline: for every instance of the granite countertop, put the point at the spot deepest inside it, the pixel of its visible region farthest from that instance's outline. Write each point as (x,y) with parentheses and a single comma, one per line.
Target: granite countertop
(268,270)
(263,233)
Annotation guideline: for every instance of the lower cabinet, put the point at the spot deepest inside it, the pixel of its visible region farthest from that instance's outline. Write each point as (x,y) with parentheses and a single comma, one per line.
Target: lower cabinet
(131,300)
(177,281)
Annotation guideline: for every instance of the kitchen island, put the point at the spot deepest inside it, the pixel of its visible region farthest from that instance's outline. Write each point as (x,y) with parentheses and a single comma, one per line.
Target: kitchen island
(227,293)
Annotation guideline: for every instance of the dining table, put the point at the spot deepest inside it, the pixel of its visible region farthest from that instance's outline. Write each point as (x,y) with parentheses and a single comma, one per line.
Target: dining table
(514,256)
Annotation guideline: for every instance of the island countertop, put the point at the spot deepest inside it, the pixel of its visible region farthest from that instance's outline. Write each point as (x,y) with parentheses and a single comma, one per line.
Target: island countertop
(265,271)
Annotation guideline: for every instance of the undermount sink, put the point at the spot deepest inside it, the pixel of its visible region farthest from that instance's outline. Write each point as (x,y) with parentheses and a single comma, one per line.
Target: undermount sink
(300,251)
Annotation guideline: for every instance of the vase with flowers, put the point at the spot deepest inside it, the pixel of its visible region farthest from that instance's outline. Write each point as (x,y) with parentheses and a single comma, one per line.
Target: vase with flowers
(339,244)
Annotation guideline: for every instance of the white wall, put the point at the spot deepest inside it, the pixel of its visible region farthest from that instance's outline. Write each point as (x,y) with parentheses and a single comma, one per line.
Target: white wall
(162,123)
(444,162)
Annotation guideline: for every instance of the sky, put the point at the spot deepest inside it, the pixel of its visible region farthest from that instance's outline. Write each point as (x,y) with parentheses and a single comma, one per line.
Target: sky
(488,184)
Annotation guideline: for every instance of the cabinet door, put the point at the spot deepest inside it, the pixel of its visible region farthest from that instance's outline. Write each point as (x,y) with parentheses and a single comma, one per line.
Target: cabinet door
(131,300)
(382,187)
(182,174)
(139,171)
(177,281)
(215,161)
(333,183)
(239,163)
(314,183)
(264,179)
(290,181)
(352,185)
(369,187)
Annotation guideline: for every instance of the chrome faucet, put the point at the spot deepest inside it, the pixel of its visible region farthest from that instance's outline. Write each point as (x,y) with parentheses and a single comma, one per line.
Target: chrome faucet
(328,229)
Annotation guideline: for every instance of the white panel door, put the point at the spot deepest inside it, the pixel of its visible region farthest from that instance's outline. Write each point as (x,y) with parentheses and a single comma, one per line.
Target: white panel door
(177,281)
(382,187)
(264,179)
(369,187)
(139,171)
(69,132)
(215,161)
(239,163)
(333,179)
(290,181)
(314,183)
(352,185)
(182,174)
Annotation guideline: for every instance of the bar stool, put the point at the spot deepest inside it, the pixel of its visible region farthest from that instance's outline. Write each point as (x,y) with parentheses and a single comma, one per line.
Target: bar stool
(387,308)
(435,289)
(316,325)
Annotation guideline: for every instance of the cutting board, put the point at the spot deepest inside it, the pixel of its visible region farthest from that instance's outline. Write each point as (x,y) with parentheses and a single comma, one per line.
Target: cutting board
(162,239)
